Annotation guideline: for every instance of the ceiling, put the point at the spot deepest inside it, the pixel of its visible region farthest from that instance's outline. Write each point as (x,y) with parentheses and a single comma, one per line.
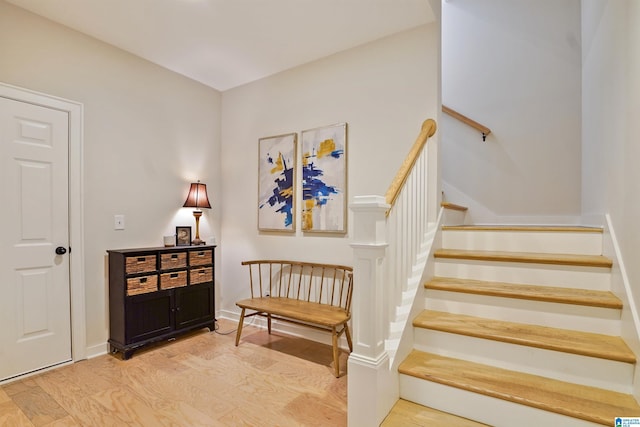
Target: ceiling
(227,43)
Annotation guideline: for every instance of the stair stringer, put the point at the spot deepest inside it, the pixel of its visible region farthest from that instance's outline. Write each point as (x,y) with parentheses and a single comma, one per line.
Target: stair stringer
(397,349)
(415,292)
(620,286)
(402,346)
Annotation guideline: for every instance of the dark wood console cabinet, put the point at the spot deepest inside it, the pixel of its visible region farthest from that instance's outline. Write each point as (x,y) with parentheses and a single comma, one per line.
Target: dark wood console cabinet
(158,293)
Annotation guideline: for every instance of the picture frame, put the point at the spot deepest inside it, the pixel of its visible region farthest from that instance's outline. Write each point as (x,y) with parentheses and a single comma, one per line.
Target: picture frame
(277,183)
(183,235)
(324,179)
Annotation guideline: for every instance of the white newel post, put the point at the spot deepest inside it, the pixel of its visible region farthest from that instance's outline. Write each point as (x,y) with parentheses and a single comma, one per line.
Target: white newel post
(368,383)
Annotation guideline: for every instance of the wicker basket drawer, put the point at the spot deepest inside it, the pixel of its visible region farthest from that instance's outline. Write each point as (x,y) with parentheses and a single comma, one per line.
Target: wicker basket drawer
(140,264)
(173,260)
(142,285)
(200,258)
(173,280)
(200,275)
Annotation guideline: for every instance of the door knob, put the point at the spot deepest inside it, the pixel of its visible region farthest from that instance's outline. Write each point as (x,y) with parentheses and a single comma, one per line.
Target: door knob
(61,250)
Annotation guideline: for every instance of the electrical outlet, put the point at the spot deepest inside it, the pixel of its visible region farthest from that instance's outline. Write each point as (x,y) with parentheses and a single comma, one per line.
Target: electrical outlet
(118,222)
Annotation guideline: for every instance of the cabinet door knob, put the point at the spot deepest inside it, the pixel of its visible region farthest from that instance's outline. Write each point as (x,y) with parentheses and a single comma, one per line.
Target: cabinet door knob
(61,250)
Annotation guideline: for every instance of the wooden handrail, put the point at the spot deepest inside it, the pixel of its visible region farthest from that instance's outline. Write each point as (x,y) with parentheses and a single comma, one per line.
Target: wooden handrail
(466,120)
(427,131)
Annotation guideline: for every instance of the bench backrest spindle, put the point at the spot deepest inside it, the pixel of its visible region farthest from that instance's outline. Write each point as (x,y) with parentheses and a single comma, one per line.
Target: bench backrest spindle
(279,291)
(310,285)
(251,279)
(299,286)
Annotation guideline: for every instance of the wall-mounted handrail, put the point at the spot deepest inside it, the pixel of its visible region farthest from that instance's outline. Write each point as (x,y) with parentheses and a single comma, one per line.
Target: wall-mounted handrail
(466,120)
(427,131)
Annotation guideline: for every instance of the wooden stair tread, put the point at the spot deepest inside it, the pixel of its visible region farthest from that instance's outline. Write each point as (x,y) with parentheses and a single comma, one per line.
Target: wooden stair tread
(453,206)
(533,228)
(564,340)
(526,257)
(578,401)
(586,297)
(408,414)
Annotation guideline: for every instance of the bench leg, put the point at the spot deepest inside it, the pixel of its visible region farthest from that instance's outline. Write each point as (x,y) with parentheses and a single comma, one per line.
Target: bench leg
(269,323)
(239,332)
(336,352)
(348,335)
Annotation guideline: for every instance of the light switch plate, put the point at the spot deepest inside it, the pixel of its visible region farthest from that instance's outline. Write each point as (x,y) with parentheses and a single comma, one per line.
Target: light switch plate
(119,222)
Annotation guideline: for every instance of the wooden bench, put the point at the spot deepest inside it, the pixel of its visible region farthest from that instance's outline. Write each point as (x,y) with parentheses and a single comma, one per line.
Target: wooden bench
(304,293)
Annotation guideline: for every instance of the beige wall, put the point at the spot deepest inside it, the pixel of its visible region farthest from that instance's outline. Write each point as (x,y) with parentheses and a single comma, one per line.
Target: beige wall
(384,90)
(148,132)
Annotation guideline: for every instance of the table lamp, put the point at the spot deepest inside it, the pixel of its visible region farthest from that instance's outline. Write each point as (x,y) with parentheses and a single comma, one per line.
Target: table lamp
(197,198)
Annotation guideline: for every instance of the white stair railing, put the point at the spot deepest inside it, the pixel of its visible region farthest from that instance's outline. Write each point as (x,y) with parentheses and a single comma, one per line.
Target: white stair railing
(390,234)
(406,231)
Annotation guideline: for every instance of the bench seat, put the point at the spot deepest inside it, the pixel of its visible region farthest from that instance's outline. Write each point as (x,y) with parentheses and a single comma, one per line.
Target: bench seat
(303,311)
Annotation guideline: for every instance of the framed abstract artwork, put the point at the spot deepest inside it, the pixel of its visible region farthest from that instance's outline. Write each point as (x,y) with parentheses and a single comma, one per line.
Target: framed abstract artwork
(324,179)
(276,183)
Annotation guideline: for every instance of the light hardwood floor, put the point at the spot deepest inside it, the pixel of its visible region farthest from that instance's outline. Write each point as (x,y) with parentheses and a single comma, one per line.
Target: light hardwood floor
(198,380)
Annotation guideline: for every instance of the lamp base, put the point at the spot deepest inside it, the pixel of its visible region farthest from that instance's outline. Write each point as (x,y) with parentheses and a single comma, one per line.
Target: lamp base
(197,214)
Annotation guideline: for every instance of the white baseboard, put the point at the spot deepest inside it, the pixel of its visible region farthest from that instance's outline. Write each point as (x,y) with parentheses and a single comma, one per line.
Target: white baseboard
(97,350)
(621,286)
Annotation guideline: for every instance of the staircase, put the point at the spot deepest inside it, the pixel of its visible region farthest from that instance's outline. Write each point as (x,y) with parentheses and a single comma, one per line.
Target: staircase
(518,328)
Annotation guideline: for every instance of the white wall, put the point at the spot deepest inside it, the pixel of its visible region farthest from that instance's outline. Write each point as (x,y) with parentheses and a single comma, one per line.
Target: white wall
(515,67)
(148,132)
(384,90)
(611,129)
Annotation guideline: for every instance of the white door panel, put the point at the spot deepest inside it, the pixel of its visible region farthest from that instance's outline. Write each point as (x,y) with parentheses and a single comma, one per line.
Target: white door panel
(34,281)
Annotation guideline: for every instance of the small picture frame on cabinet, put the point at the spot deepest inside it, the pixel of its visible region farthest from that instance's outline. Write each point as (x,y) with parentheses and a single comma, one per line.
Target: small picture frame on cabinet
(183,235)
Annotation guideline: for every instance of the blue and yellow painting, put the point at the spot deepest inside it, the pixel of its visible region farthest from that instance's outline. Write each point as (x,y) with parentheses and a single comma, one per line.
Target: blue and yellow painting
(323,179)
(276,183)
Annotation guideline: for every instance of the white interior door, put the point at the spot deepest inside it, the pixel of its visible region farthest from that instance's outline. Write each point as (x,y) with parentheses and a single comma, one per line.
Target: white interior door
(35,316)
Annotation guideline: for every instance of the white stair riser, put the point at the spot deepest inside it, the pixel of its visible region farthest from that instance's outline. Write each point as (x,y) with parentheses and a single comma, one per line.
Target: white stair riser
(577,277)
(590,371)
(524,241)
(481,408)
(453,217)
(564,316)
